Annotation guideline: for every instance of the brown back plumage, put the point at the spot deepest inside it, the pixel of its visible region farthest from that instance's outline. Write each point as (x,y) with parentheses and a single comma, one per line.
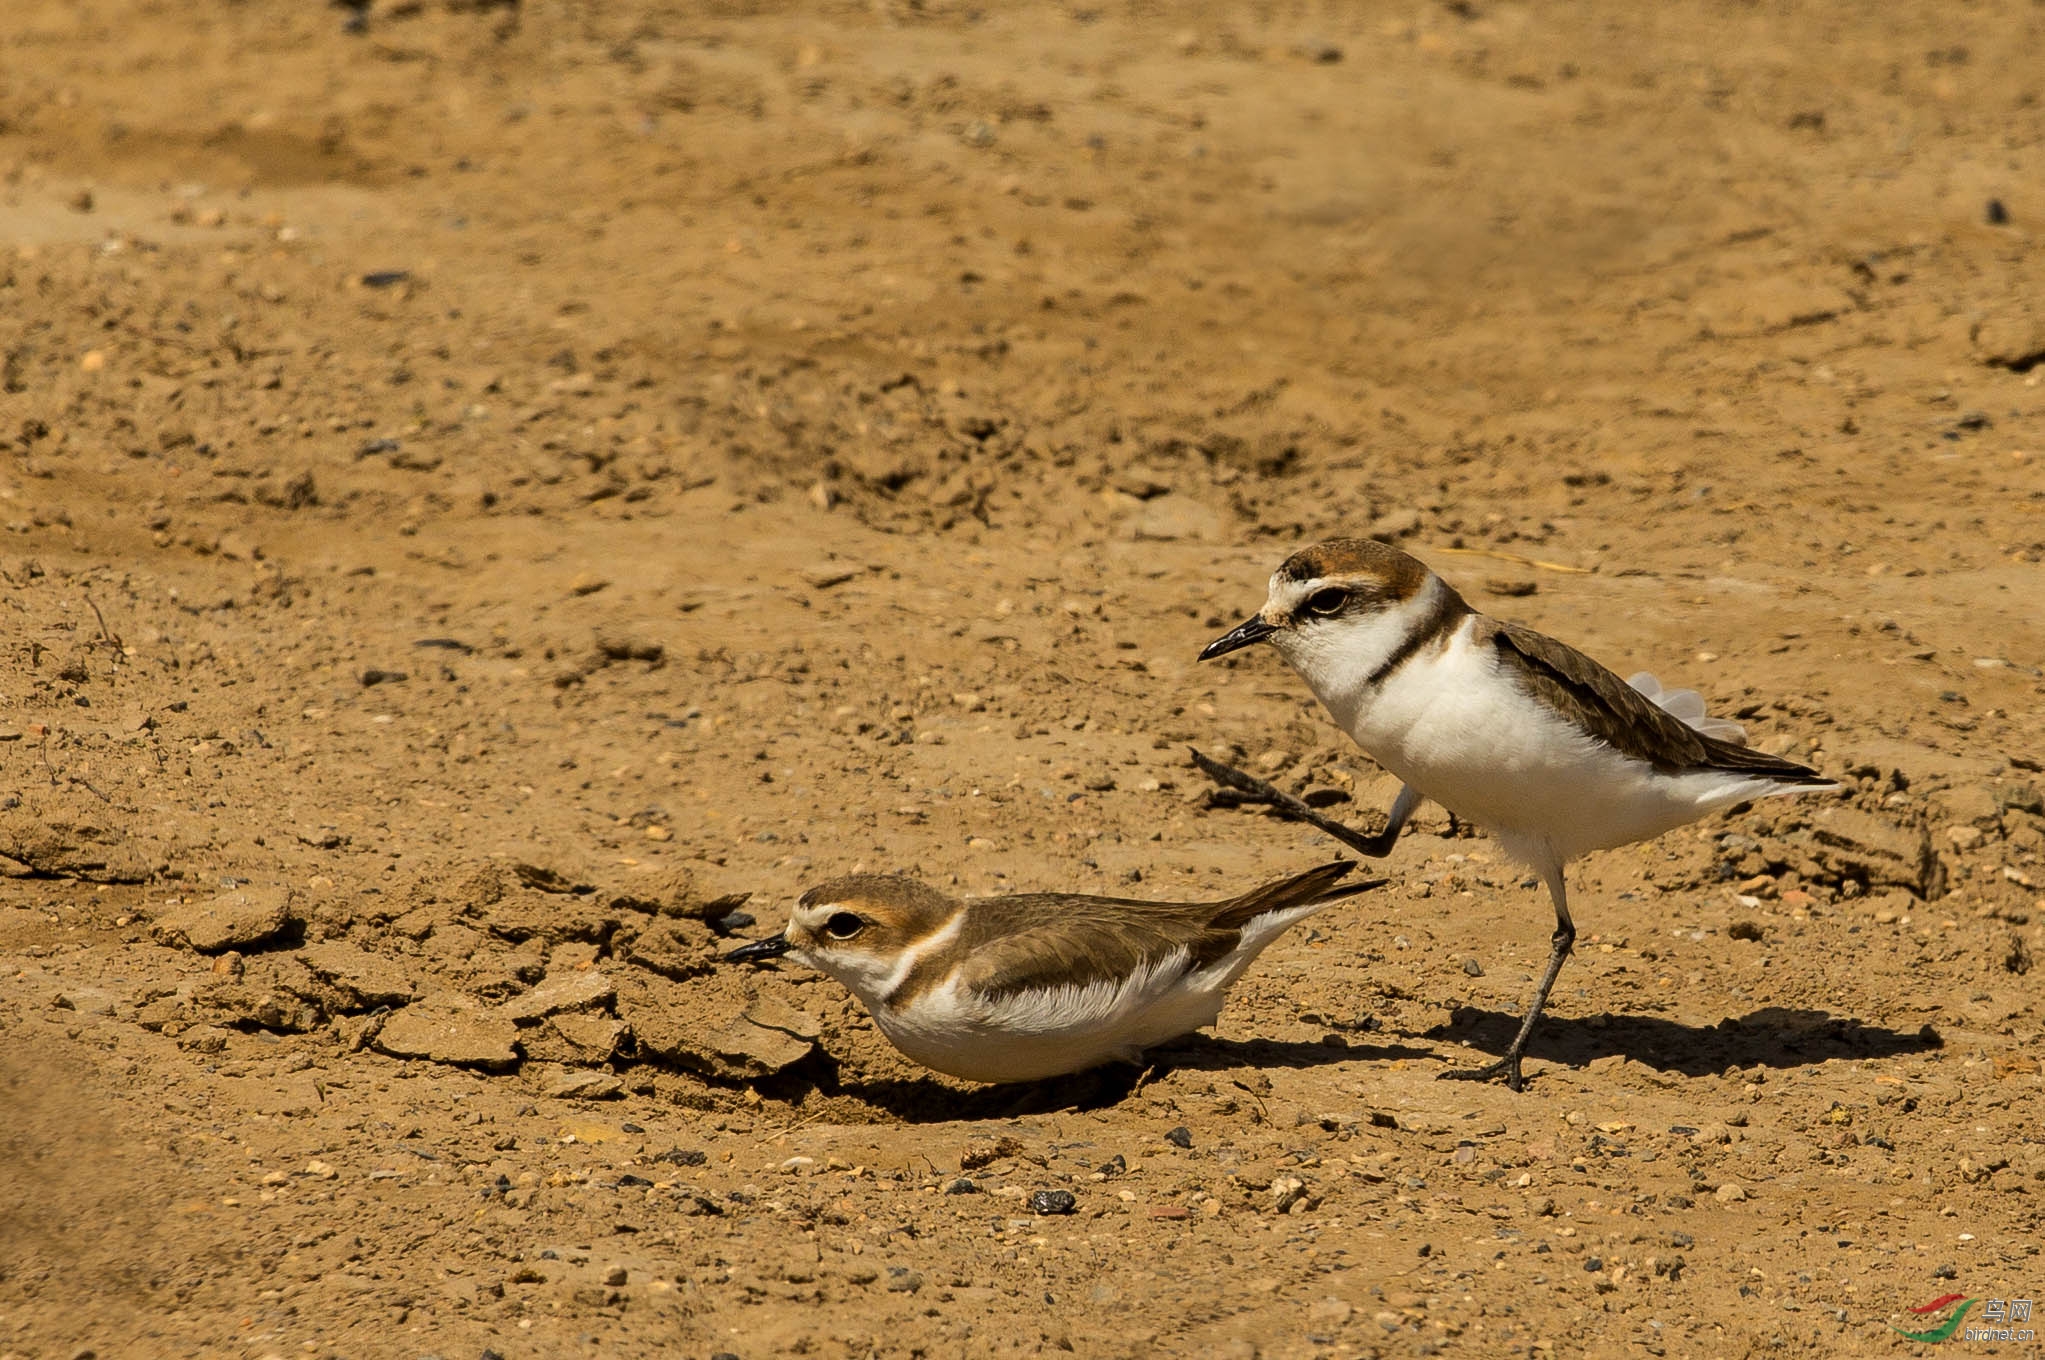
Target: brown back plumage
(1015,944)
(1620,715)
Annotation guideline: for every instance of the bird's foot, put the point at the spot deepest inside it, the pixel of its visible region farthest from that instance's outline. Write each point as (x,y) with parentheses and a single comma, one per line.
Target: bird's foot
(1239,789)
(1506,1069)
(1243,790)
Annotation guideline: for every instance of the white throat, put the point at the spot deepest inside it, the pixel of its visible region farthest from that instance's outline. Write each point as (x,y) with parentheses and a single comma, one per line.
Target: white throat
(874,977)
(1342,659)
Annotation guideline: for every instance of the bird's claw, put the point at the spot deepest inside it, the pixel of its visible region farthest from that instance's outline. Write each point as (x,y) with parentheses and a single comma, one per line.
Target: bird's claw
(1506,1070)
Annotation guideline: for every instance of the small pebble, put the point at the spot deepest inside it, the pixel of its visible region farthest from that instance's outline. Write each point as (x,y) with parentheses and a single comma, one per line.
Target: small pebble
(964,1185)
(1052,1202)
(1473,968)
(1180,1137)
(902,1280)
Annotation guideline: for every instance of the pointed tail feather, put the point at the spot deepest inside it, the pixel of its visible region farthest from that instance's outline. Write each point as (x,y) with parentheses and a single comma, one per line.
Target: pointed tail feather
(1727,740)
(1778,770)
(1315,885)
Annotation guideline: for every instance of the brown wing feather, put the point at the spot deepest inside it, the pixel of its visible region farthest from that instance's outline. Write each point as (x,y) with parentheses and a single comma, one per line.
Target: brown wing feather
(1047,939)
(1624,718)
(1054,939)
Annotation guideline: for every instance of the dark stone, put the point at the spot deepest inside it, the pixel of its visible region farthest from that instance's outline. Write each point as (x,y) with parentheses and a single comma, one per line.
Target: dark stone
(732,922)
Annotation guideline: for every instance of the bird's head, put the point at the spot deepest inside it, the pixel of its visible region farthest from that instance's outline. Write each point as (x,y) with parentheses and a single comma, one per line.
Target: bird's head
(862,930)
(1337,608)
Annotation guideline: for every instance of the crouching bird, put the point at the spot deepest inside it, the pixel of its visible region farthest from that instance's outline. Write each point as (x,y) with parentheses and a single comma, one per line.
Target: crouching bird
(1000,989)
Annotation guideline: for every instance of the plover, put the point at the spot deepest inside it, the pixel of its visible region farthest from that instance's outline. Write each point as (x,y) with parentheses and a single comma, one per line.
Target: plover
(1524,736)
(1001,989)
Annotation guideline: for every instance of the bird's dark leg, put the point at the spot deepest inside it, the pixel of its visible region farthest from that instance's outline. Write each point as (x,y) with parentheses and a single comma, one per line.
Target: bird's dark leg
(1507,1068)
(1154,1069)
(1242,790)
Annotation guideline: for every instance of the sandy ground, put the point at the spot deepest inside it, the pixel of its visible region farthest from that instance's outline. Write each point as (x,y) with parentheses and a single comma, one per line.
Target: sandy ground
(486,489)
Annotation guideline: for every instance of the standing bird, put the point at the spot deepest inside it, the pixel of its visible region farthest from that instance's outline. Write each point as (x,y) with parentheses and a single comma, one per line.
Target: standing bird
(1015,988)
(1526,737)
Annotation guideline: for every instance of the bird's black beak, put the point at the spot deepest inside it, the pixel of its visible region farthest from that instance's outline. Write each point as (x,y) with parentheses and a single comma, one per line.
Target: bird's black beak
(773,947)
(1251,629)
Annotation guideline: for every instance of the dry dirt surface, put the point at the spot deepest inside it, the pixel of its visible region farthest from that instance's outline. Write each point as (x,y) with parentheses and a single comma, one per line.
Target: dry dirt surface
(487,488)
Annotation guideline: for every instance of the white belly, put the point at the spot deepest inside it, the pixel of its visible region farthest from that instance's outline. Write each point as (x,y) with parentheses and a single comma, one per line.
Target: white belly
(1052,1032)
(1463,733)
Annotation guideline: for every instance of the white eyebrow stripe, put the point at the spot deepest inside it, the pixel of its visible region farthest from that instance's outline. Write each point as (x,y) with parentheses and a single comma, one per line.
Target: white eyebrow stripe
(915,953)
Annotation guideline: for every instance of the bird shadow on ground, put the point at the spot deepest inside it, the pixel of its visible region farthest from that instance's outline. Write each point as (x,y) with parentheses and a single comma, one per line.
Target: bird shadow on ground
(1773,1036)
(1205,1053)
(924,1100)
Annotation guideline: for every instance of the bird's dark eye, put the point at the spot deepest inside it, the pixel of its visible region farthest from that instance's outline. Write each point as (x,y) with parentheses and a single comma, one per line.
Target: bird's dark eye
(1328,601)
(843,925)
